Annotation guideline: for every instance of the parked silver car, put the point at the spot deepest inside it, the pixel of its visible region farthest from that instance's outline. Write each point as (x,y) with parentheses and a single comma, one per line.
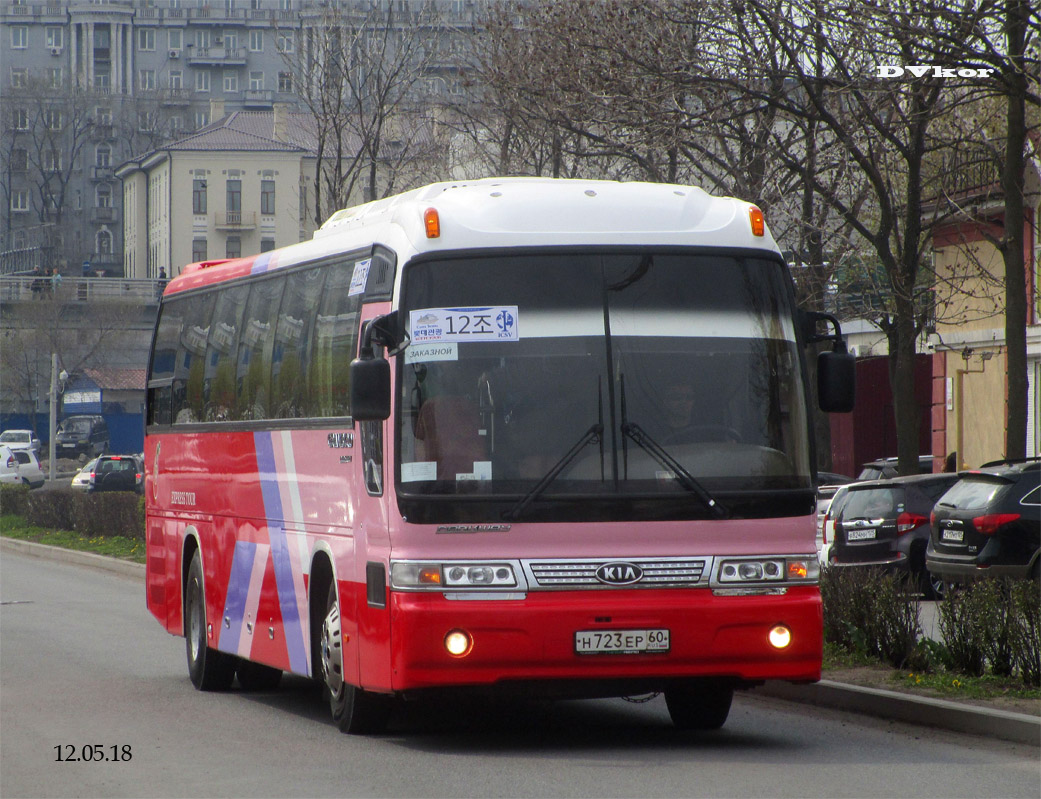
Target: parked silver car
(21,439)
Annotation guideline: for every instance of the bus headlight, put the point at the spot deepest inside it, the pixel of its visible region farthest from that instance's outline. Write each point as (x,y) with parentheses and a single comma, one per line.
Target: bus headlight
(768,570)
(458,643)
(413,576)
(780,636)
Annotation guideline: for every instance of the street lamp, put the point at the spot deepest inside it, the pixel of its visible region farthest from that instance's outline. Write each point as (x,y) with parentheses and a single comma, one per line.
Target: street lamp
(57,387)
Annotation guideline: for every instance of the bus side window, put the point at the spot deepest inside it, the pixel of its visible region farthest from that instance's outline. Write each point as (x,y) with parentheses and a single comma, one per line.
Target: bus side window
(191,359)
(335,334)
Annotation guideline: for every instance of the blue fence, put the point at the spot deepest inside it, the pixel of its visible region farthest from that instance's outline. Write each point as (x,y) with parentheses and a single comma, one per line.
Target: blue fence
(125,430)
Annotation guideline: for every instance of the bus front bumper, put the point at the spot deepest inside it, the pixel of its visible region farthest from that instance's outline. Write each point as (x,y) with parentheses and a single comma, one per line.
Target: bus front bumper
(535,639)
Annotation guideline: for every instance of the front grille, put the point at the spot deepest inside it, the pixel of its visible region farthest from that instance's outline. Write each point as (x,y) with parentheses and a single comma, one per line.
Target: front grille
(582,573)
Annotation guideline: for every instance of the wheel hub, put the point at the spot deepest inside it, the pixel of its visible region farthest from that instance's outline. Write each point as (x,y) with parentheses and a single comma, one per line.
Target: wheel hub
(332,653)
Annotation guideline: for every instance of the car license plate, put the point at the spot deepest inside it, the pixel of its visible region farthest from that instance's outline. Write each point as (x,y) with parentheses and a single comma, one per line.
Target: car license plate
(620,642)
(859,535)
(953,535)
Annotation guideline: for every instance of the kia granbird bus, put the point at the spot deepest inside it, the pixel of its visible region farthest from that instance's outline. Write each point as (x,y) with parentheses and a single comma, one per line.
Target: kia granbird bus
(515,435)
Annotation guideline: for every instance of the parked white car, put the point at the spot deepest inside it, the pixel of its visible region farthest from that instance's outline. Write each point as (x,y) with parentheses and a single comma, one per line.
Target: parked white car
(21,439)
(20,466)
(81,482)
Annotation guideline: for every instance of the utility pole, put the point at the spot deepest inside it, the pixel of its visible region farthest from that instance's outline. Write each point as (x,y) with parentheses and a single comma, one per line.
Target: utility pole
(57,387)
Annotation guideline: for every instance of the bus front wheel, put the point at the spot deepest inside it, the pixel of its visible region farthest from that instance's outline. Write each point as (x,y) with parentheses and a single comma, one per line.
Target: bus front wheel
(355,711)
(209,669)
(699,704)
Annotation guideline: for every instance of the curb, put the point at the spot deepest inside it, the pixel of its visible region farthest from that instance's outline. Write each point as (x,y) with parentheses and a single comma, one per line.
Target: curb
(891,705)
(923,711)
(58,554)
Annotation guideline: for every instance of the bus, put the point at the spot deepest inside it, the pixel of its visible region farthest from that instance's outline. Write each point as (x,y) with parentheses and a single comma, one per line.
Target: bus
(518,435)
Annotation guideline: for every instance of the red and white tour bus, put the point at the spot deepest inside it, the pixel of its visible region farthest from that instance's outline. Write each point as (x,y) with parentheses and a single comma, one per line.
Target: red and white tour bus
(520,434)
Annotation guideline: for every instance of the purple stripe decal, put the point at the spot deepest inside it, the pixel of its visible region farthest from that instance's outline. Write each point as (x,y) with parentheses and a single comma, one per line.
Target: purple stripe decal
(238,591)
(292,628)
(262,263)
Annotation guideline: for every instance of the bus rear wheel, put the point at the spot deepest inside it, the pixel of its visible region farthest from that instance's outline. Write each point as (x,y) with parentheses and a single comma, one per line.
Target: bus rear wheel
(209,669)
(355,711)
(699,704)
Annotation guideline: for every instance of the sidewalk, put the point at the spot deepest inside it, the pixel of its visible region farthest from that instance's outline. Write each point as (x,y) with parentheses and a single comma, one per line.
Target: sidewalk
(908,708)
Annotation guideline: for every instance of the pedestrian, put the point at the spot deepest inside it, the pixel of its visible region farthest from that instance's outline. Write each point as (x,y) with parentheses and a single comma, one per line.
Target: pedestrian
(55,280)
(37,284)
(160,283)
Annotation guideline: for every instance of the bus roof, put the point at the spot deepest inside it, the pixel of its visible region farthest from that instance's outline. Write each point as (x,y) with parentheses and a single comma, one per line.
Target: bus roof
(496,213)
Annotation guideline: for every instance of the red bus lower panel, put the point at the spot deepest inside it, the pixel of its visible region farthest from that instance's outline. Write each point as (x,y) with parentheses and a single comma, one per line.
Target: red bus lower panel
(534,638)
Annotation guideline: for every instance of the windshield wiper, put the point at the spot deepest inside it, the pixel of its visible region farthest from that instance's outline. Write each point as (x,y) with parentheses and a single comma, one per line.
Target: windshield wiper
(594,433)
(683,477)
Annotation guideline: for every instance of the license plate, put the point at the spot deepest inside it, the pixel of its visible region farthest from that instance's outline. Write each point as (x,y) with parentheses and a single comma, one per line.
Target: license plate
(620,642)
(953,535)
(859,535)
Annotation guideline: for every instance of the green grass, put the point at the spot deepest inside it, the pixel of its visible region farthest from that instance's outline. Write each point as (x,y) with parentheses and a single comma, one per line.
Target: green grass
(115,546)
(961,686)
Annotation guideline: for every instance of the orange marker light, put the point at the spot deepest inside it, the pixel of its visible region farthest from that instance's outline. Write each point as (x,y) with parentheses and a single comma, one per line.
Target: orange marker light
(432,223)
(758,222)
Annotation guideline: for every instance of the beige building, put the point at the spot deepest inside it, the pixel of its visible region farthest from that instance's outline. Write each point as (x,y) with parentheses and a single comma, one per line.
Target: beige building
(239,186)
(970,364)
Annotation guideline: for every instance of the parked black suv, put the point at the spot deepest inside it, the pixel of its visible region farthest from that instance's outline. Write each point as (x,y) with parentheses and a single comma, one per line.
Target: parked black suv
(989,524)
(117,473)
(884,468)
(885,523)
(81,435)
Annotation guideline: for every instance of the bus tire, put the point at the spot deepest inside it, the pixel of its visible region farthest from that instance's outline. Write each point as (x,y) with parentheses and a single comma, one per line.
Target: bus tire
(355,711)
(257,677)
(208,669)
(699,704)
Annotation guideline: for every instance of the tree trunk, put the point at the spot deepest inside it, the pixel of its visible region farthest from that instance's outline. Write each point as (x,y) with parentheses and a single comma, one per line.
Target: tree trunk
(902,380)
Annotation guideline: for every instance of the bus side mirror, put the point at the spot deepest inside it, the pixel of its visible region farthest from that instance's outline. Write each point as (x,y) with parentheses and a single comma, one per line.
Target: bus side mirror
(836,380)
(370,389)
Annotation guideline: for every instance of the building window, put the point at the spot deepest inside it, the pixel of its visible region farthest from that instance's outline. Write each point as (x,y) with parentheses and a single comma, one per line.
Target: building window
(147,79)
(104,240)
(199,249)
(285,42)
(19,37)
(176,79)
(285,81)
(199,196)
(55,38)
(176,124)
(103,156)
(267,197)
(103,115)
(231,41)
(233,249)
(103,196)
(21,119)
(146,39)
(101,82)
(202,119)
(202,81)
(256,81)
(256,41)
(19,200)
(146,121)
(266,245)
(54,77)
(234,196)
(51,160)
(231,82)
(20,159)
(19,77)
(52,119)
(202,39)
(176,38)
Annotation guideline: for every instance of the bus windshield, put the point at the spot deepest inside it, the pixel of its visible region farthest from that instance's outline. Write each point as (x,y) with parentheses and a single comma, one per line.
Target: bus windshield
(647,383)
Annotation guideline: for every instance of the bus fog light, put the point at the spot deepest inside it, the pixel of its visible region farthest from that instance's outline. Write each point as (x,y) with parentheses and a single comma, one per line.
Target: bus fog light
(458,643)
(780,636)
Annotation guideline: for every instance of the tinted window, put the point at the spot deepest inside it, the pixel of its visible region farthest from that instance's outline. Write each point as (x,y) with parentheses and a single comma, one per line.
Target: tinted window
(334,345)
(872,503)
(253,370)
(221,349)
(289,388)
(970,493)
(188,399)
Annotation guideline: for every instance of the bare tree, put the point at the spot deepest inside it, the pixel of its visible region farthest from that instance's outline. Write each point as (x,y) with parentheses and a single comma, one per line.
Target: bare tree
(361,76)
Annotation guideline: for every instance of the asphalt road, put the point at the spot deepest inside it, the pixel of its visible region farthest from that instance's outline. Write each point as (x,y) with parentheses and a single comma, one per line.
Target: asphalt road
(82,663)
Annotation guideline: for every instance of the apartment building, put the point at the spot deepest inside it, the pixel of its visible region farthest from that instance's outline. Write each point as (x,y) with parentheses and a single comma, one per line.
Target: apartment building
(87,85)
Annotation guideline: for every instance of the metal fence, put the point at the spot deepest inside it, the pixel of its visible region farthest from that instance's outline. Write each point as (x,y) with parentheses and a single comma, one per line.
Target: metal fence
(28,288)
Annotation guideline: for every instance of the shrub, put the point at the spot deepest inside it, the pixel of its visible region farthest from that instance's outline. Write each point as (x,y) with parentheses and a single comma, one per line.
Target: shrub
(871,612)
(14,498)
(1026,600)
(109,513)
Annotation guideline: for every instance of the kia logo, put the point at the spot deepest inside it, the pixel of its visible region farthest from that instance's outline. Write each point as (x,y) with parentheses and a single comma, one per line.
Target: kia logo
(619,573)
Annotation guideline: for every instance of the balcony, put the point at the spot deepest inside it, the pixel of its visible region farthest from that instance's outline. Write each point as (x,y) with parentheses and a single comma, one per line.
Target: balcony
(102,172)
(174,97)
(235,220)
(258,98)
(104,215)
(217,56)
